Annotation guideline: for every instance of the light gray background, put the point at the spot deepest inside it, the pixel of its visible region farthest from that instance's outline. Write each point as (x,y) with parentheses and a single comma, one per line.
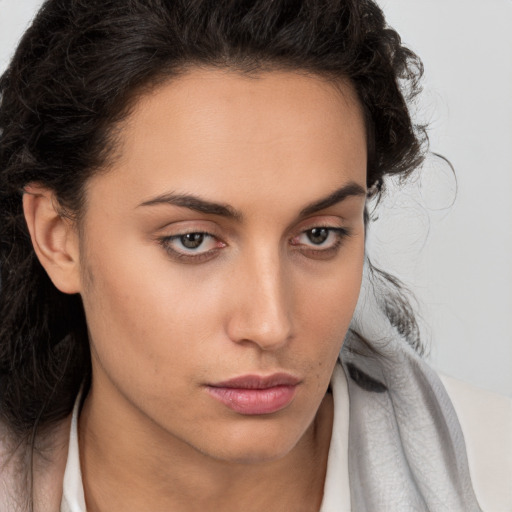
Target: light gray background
(456,257)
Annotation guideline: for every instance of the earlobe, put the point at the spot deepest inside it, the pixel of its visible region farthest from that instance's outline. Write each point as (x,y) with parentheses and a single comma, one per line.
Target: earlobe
(53,236)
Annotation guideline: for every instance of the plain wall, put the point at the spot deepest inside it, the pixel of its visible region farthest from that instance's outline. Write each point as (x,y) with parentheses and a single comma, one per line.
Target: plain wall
(463,273)
(457,257)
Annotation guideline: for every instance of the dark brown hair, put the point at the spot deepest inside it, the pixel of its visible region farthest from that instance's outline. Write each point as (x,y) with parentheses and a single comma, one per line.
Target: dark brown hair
(76,72)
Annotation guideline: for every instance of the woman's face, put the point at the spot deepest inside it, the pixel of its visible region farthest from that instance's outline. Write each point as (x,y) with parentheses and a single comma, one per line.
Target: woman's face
(226,242)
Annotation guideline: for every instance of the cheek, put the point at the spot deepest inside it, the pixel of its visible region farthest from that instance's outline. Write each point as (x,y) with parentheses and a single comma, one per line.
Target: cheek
(150,321)
(324,312)
(329,299)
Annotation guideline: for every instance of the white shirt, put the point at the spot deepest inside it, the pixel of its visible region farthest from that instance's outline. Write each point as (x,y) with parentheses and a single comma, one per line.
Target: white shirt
(486,421)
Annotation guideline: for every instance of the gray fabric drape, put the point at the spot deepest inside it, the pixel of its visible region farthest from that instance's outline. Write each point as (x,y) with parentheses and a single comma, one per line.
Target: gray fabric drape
(406,448)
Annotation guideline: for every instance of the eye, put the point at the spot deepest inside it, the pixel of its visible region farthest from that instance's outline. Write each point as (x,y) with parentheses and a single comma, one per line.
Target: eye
(318,236)
(194,246)
(192,240)
(322,241)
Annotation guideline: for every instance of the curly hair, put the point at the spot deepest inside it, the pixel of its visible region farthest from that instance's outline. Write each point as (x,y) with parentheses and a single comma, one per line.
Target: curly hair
(75,75)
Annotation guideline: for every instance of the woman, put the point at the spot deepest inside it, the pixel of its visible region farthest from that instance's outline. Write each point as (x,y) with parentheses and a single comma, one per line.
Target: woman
(184,202)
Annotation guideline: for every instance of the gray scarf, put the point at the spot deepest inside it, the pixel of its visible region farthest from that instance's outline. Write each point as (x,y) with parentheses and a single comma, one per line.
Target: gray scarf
(406,448)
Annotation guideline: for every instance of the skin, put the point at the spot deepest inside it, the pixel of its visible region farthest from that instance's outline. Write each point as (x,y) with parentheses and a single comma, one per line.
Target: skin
(260,298)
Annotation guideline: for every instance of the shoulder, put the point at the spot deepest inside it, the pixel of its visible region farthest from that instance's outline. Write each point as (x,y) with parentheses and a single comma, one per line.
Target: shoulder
(486,421)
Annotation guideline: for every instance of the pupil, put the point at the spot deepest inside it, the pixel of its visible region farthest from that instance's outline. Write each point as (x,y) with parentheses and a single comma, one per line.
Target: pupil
(318,235)
(192,240)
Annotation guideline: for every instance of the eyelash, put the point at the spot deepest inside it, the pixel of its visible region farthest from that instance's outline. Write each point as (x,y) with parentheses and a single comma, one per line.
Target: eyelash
(340,233)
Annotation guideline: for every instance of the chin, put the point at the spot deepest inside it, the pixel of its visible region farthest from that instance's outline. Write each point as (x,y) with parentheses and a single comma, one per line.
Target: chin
(255,447)
(255,455)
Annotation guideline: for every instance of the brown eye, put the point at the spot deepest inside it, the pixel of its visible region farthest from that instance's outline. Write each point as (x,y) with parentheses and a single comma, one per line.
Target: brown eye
(318,235)
(192,240)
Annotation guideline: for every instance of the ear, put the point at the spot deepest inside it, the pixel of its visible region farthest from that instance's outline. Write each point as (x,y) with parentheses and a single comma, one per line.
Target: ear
(54,237)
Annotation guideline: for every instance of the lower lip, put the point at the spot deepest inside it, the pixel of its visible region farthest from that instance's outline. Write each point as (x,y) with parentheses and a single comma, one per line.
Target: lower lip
(254,401)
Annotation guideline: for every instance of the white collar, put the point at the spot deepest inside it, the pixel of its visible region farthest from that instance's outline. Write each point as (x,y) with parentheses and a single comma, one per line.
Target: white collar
(336,486)
(73,499)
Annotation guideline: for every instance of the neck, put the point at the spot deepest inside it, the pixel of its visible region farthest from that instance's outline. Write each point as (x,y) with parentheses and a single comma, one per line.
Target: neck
(126,465)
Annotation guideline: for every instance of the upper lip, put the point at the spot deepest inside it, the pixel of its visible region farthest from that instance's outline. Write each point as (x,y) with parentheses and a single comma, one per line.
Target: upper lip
(258,381)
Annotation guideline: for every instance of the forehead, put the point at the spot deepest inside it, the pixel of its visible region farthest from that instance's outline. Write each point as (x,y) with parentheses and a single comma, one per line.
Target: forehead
(211,128)
(236,104)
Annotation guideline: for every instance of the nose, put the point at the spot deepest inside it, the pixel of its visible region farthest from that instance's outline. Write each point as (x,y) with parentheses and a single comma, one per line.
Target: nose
(261,312)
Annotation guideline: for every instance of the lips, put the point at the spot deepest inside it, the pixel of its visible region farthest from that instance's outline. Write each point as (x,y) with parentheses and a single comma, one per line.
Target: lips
(254,394)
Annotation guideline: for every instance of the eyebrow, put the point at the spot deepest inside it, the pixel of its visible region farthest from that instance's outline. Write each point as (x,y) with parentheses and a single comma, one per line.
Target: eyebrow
(198,204)
(349,190)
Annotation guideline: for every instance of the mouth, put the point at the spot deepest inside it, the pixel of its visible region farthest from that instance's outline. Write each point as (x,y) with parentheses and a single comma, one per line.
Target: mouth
(254,394)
